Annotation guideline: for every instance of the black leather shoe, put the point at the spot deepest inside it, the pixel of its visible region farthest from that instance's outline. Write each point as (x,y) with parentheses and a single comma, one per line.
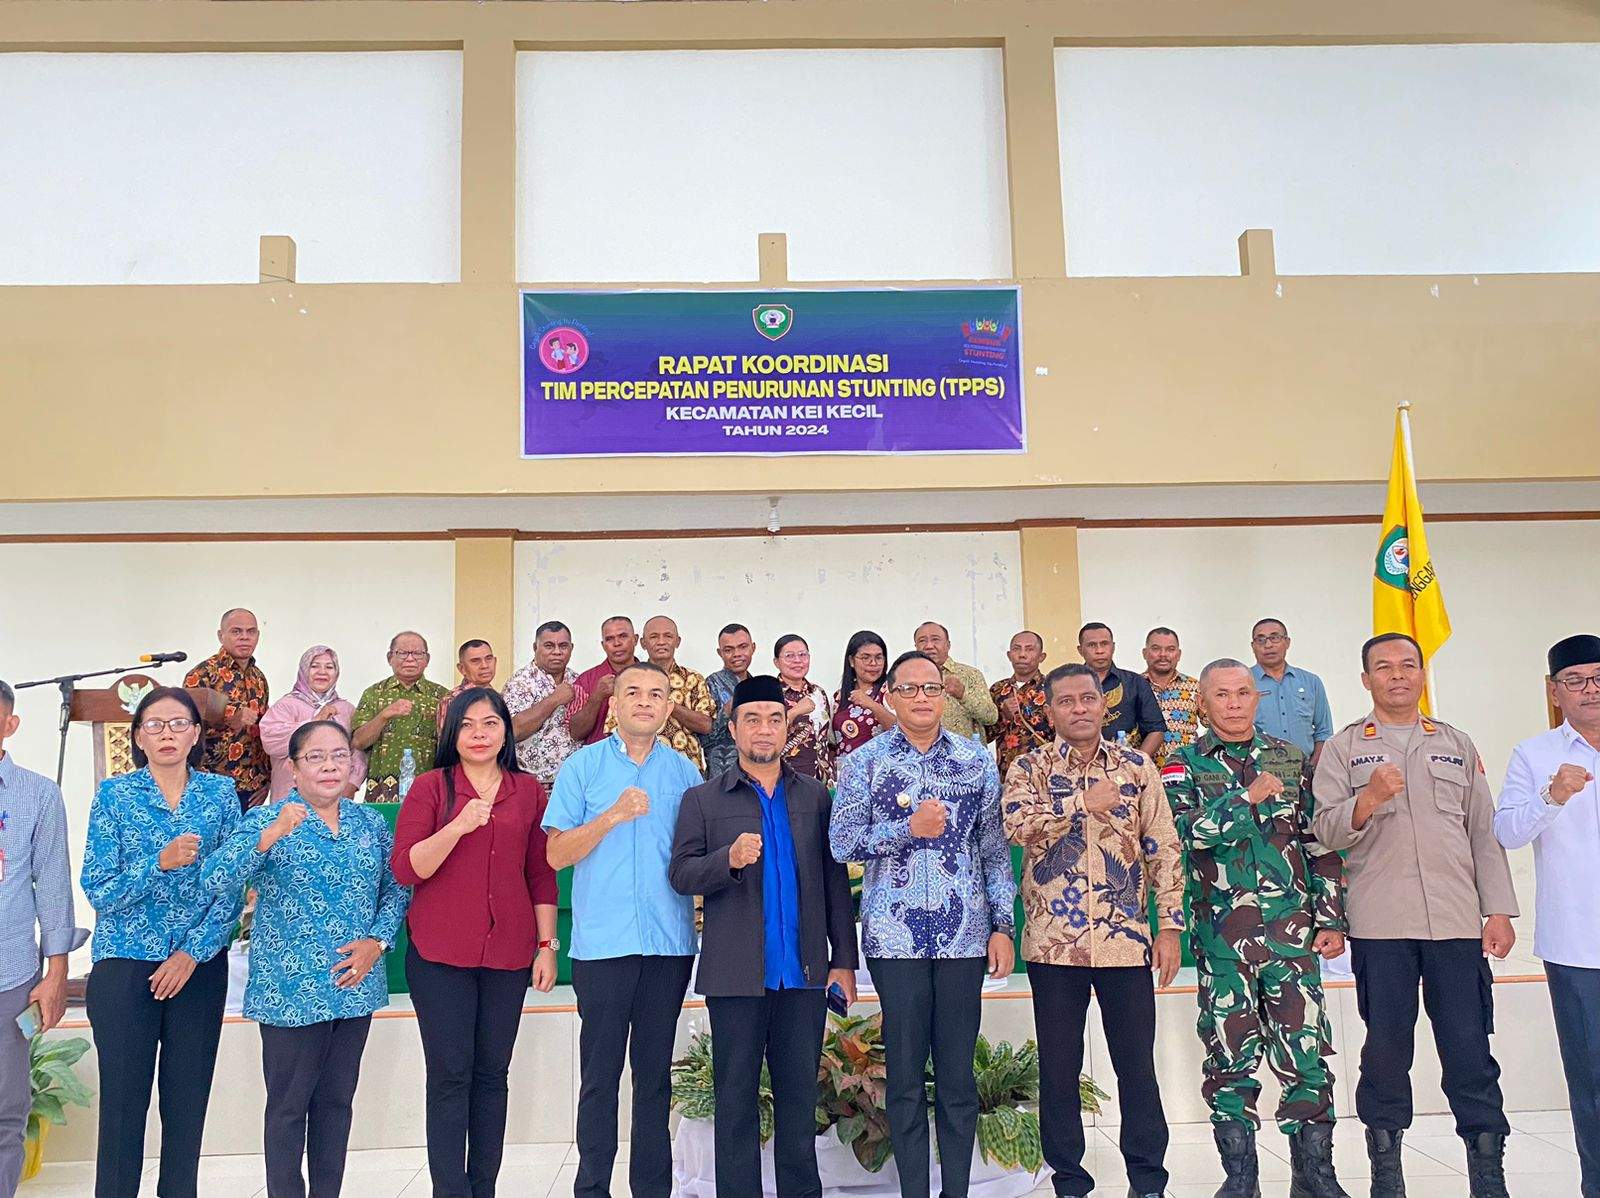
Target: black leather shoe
(1311,1162)
(1486,1165)
(1383,1150)
(1236,1145)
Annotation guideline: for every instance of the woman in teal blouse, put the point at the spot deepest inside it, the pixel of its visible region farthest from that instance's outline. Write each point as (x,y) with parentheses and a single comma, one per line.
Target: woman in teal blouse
(327,908)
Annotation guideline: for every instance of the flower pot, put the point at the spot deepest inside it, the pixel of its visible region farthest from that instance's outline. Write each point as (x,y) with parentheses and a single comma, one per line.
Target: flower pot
(33,1153)
(694,1171)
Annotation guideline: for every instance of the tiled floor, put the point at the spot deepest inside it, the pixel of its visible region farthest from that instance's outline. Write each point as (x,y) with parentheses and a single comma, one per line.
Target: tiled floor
(1541,1163)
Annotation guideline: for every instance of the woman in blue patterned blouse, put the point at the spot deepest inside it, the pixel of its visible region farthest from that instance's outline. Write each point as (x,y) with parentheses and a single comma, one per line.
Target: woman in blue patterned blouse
(327,908)
(160,975)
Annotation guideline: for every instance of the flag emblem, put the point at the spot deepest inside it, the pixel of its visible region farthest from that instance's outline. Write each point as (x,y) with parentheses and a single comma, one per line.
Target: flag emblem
(1394,560)
(773,320)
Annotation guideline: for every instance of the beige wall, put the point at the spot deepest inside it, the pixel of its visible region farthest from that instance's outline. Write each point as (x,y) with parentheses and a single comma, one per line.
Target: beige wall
(1130,381)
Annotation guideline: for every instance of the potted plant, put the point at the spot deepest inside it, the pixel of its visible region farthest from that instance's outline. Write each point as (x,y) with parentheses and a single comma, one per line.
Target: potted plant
(55,1085)
(853,1149)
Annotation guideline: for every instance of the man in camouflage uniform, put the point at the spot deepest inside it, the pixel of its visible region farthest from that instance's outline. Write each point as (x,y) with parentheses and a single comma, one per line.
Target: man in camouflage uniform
(1266,899)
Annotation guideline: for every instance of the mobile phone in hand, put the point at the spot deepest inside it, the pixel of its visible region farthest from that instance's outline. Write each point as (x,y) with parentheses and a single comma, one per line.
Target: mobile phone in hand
(31,1020)
(837,1002)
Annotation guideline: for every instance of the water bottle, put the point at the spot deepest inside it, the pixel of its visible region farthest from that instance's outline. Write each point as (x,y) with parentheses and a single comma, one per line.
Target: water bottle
(408,771)
(1122,743)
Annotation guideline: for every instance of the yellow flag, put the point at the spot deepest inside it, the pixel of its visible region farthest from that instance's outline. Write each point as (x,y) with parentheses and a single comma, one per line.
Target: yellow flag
(1405,590)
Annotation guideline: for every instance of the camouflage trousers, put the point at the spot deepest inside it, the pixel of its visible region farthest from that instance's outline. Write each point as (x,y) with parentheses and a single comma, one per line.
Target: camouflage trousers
(1272,1006)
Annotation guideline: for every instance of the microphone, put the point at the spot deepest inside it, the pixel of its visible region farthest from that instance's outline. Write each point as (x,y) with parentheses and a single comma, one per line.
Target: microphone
(156,659)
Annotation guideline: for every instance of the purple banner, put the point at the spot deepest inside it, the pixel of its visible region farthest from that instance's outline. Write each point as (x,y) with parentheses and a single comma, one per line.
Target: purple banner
(772,372)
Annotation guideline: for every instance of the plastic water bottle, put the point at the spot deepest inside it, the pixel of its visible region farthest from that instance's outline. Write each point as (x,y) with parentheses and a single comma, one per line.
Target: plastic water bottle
(408,771)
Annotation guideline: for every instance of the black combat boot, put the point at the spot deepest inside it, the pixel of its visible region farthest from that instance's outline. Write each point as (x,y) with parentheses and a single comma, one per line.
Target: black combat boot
(1486,1165)
(1383,1150)
(1311,1160)
(1236,1145)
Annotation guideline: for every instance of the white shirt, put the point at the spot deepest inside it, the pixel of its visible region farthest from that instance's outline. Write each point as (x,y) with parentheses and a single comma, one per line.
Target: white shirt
(1566,844)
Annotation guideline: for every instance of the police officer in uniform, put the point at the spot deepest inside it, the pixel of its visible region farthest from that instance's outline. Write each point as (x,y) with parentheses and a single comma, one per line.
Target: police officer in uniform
(1266,902)
(1429,894)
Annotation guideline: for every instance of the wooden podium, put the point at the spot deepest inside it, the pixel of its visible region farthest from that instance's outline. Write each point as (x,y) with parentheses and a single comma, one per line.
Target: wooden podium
(108,712)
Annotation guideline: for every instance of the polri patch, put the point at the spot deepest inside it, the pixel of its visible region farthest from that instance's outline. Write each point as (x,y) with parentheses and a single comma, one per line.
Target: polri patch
(1446,759)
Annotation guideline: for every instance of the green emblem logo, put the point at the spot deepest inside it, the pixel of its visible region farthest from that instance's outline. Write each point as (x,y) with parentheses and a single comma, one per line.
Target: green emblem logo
(1394,560)
(773,320)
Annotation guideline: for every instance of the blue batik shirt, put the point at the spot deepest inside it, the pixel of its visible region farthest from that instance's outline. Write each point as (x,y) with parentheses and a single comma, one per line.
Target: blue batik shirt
(315,890)
(145,913)
(925,899)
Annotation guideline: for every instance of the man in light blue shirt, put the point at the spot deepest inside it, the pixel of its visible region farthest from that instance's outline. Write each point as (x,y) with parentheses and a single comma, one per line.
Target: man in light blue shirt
(1552,801)
(612,817)
(1294,703)
(35,895)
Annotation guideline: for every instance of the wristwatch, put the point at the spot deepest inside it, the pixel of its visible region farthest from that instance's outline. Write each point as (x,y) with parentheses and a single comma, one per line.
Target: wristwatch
(383,944)
(552,944)
(1544,793)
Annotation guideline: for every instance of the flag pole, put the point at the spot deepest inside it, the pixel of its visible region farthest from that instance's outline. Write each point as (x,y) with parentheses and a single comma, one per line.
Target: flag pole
(1411,469)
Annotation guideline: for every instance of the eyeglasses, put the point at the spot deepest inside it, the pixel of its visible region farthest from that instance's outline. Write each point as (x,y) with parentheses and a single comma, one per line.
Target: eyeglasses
(906,689)
(318,757)
(153,726)
(1270,638)
(409,653)
(1578,685)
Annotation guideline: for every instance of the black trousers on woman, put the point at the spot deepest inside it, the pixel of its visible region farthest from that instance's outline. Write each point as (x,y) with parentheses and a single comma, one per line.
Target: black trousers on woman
(468,1019)
(311,1075)
(171,1043)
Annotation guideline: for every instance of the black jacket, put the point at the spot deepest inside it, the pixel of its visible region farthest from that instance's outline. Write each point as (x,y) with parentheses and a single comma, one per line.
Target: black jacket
(732,940)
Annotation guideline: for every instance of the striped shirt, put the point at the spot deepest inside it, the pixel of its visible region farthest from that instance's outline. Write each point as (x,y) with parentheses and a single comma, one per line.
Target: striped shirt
(36,913)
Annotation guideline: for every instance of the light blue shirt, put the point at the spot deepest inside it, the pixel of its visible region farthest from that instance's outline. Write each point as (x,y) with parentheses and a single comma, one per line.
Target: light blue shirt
(35,876)
(1566,844)
(1295,710)
(925,899)
(315,890)
(146,913)
(622,905)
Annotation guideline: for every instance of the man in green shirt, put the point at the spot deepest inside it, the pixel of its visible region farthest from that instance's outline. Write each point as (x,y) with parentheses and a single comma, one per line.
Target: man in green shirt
(397,714)
(970,706)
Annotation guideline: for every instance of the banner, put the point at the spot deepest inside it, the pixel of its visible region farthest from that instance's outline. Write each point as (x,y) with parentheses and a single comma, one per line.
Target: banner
(771,372)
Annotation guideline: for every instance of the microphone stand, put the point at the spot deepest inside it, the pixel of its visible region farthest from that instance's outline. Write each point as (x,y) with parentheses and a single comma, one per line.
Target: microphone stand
(68,683)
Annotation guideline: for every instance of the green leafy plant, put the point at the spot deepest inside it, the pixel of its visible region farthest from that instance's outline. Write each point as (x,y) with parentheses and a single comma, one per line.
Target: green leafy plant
(55,1083)
(852,1088)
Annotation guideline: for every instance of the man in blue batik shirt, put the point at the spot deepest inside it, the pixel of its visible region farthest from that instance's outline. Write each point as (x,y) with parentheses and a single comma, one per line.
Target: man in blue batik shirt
(921,807)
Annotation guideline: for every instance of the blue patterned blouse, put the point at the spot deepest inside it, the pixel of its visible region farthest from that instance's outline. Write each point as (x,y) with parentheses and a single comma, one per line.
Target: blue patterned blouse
(934,898)
(314,891)
(145,913)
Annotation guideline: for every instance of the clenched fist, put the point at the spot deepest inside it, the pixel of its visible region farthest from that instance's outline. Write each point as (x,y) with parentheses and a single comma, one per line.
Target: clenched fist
(1266,786)
(180,851)
(290,816)
(399,707)
(473,816)
(744,851)
(954,687)
(562,693)
(631,804)
(1386,782)
(928,820)
(1102,797)
(1568,781)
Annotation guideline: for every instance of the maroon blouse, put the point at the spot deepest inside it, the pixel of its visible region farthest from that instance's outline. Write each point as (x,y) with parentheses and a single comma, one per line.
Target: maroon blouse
(477,908)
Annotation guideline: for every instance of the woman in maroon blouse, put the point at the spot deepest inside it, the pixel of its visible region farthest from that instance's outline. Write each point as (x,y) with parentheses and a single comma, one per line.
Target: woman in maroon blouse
(483,912)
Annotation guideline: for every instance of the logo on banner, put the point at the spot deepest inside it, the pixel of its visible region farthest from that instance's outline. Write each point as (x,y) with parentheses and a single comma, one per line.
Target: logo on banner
(1394,560)
(987,341)
(773,320)
(563,349)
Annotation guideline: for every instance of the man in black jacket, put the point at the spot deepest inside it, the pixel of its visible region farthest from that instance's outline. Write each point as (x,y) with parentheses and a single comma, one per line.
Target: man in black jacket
(779,930)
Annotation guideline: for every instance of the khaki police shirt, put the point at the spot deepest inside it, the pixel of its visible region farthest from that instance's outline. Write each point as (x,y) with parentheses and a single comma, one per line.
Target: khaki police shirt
(1427,865)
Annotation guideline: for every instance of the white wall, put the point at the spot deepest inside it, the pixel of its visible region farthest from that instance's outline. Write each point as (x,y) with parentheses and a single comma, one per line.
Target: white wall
(1512,589)
(1362,159)
(823,587)
(70,608)
(665,165)
(168,168)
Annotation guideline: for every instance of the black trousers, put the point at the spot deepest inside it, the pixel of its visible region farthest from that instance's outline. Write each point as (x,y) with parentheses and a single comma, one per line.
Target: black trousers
(1457,991)
(627,1005)
(130,1026)
(784,1028)
(1128,1016)
(1575,997)
(311,1074)
(469,1020)
(931,1008)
